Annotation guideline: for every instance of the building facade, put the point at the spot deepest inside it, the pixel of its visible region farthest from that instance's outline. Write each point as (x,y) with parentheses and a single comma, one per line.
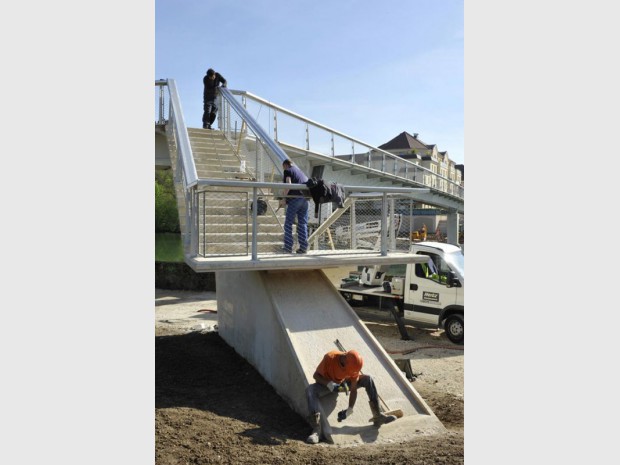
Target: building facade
(410,147)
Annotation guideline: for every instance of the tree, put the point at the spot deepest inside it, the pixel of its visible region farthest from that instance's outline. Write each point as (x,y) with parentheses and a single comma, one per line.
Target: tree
(166,210)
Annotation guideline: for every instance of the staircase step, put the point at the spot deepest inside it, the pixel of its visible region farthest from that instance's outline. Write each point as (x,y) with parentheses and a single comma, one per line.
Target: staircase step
(216,233)
(240,221)
(204,156)
(240,248)
(261,220)
(201,152)
(263,231)
(228,166)
(216,174)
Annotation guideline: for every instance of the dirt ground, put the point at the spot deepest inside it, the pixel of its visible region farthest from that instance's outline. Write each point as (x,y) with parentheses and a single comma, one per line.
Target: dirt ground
(211,406)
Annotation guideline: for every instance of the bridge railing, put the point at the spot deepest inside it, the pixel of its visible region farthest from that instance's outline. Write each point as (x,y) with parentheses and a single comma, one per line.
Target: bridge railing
(302,135)
(184,167)
(230,221)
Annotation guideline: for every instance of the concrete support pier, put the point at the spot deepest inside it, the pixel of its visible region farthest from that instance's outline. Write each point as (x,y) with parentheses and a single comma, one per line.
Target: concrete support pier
(282,322)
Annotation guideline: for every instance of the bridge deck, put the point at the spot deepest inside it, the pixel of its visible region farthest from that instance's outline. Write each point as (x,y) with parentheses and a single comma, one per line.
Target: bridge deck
(314,259)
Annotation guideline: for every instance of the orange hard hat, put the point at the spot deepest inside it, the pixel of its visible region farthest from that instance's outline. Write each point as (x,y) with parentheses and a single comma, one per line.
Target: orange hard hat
(355,360)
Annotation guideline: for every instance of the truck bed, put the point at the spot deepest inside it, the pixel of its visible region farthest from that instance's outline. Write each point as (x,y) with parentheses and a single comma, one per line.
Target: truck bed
(368,290)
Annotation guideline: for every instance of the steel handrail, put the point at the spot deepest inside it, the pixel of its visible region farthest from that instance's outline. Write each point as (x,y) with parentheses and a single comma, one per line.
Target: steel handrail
(252,124)
(395,158)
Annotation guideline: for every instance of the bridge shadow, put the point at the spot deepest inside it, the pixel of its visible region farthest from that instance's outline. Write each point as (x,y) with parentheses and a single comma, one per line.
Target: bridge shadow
(201,371)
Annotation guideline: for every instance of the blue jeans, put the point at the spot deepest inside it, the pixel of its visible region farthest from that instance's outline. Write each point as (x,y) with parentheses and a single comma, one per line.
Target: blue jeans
(210,111)
(314,390)
(296,207)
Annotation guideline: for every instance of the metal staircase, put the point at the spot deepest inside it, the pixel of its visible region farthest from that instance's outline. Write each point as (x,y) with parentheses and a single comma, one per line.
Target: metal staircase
(214,156)
(224,213)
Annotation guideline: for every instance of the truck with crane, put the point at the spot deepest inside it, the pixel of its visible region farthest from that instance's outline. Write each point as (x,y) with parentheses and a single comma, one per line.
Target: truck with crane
(429,295)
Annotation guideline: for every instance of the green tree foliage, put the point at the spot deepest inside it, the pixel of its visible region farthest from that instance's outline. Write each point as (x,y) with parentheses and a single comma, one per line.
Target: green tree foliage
(166,210)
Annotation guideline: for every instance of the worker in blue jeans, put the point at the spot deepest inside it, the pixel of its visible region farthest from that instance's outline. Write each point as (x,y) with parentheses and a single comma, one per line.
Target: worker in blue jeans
(296,206)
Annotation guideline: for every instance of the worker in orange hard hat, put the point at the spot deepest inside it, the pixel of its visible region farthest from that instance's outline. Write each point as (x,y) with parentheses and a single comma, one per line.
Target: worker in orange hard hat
(341,372)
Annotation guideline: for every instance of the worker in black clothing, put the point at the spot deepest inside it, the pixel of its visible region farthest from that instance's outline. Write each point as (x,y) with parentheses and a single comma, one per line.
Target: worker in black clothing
(211,82)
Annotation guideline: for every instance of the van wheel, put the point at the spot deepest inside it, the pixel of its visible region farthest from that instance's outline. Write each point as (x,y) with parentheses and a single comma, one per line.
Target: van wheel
(455,328)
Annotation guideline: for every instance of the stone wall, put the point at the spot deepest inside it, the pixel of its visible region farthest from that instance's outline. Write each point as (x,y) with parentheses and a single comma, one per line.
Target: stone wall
(179,276)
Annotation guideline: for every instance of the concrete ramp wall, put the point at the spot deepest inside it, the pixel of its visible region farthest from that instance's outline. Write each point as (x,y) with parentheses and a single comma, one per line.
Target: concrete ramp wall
(282,322)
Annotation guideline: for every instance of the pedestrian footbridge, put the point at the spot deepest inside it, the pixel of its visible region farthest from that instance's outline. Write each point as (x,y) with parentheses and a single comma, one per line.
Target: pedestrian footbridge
(280,311)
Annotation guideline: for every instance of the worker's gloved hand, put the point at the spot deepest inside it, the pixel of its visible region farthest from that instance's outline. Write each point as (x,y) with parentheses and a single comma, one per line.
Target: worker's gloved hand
(332,386)
(344,414)
(343,387)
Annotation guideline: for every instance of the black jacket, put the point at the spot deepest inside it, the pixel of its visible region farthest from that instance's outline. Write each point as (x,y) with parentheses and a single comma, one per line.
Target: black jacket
(211,85)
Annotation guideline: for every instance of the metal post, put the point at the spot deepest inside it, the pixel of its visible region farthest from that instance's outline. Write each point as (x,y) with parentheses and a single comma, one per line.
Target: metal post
(219,113)
(353,236)
(161,105)
(384,212)
(391,223)
(453,228)
(258,162)
(192,219)
(254,224)
(227,119)
(204,224)
(410,223)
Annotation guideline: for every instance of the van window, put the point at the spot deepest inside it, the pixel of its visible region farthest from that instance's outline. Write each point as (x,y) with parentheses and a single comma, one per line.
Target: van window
(443,270)
(436,270)
(426,270)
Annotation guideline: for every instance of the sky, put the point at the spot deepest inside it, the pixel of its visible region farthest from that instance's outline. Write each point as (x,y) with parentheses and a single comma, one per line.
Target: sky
(368,69)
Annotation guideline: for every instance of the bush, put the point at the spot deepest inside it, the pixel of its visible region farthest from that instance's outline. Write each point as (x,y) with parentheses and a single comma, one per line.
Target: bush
(166,209)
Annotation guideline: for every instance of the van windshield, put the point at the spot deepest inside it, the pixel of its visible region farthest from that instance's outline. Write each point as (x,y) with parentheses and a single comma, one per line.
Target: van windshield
(456,260)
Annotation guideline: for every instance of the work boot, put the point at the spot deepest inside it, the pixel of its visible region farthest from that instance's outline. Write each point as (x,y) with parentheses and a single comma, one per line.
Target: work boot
(378,418)
(315,422)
